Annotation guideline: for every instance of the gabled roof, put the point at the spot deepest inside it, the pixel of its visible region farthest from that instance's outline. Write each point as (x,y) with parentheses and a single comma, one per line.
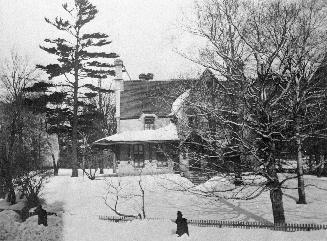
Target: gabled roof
(157,97)
(164,134)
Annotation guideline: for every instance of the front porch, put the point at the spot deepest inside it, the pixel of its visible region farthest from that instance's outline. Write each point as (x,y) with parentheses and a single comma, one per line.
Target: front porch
(143,152)
(144,158)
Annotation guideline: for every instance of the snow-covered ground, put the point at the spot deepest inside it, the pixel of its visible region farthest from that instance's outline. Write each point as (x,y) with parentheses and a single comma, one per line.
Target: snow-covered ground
(81,202)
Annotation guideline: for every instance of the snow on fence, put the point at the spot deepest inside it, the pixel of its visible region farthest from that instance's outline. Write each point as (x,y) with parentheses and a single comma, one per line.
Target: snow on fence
(290,227)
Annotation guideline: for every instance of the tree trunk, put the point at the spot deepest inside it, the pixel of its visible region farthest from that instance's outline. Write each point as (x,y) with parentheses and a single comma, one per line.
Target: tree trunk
(75,113)
(143,198)
(74,135)
(55,165)
(114,162)
(101,123)
(297,119)
(317,163)
(321,164)
(276,194)
(55,168)
(324,169)
(276,197)
(101,163)
(311,164)
(300,179)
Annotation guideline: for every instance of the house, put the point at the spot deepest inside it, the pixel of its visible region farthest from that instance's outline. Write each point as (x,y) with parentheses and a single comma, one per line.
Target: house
(158,128)
(146,140)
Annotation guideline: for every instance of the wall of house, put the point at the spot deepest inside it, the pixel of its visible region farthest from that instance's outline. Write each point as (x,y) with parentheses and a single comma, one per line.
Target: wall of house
(127,168)
(138,124)
(184,164)
(125,165)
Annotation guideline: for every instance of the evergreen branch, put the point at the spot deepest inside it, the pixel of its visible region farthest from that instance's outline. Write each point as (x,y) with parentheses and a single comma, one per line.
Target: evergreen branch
(53,70)
(94,35)
(99,64)
(98,54)
(61,24)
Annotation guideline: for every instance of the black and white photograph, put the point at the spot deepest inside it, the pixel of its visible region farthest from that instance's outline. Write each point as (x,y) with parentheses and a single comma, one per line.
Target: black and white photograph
(163,120)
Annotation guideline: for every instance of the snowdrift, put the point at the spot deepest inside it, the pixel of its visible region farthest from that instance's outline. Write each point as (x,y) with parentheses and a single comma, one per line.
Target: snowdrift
(12,230)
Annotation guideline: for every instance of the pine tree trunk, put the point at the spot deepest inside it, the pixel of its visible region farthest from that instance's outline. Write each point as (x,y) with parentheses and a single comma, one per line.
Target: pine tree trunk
(75,111)
(74,134)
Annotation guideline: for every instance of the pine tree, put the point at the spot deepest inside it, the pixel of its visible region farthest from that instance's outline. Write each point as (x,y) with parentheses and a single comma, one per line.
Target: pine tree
(77,59)
(42,100)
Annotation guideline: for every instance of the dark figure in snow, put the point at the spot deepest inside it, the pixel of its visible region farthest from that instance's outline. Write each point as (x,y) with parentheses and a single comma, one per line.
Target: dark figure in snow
(181,224)
(42,215)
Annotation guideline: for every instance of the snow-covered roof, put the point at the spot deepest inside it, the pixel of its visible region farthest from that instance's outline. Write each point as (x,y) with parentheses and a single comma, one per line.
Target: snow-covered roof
(178,103)
(166,133)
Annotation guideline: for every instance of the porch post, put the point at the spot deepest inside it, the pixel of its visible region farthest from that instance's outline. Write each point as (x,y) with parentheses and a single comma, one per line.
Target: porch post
(114,169)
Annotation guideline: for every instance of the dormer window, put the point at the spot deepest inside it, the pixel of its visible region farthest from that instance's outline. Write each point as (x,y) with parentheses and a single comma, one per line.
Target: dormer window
(149,123)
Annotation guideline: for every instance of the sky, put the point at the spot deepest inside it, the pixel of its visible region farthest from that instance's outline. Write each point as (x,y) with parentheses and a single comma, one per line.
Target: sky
(145,33)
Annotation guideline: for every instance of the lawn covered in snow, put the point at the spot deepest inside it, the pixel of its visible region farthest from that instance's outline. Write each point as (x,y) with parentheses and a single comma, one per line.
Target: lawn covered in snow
(80,201)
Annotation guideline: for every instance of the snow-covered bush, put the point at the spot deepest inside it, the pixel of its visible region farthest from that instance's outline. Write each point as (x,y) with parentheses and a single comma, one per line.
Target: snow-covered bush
(9,215)
(31,231)
(12,230)
(8,224)
(31,184)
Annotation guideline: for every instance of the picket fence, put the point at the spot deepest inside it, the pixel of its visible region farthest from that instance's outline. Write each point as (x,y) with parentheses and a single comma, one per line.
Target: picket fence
(289,227)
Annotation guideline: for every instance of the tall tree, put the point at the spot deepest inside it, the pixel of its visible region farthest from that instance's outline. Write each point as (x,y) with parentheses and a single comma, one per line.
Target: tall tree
(305,65)
(77,59)
(249,47)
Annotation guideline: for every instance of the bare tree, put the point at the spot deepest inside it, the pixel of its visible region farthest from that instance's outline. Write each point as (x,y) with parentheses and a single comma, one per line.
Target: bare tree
(15,74)
(250,46)
(119,194)
(107,122)
(306,59)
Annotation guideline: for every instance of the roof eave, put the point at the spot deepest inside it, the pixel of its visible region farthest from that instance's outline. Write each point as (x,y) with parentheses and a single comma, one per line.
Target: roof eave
(110,143)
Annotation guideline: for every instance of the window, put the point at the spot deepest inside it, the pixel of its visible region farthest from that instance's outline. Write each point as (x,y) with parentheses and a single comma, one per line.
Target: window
(138,151)
(149,123)
(192,121)
(192,118)
(161,156)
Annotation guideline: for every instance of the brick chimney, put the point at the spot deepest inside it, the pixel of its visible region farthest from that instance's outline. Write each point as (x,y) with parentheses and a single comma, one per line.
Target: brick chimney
(148,76)
(119,74)
(118,87)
